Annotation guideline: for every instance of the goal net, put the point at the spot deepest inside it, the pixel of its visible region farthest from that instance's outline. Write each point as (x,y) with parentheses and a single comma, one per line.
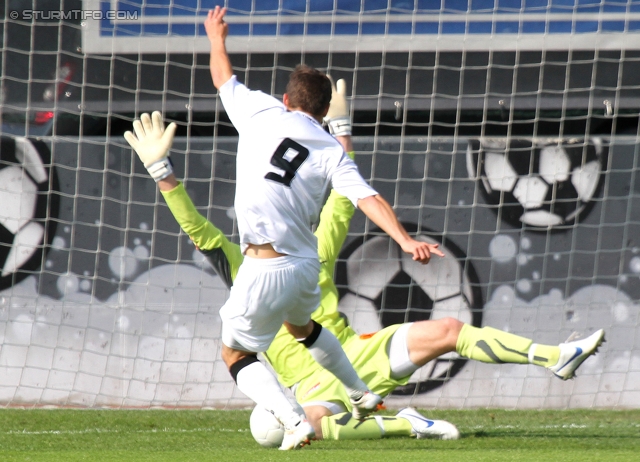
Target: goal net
(504,131)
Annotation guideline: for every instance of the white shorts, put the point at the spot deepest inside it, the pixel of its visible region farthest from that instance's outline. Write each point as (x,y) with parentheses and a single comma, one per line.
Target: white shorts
(265,293)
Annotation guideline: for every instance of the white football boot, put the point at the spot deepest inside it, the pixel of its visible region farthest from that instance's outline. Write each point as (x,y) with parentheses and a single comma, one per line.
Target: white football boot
(427,428)
(573,353)
(297,432)
(365,405)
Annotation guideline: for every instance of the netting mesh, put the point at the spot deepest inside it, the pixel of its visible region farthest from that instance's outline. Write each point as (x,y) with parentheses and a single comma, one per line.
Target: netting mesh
(513,144)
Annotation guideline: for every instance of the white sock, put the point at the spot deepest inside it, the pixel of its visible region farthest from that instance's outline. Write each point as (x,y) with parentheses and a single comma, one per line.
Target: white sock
(259,384)
(399,361)
(328,352)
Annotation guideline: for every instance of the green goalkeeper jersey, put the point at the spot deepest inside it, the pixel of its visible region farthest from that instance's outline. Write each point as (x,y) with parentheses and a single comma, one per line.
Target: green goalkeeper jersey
(290,359)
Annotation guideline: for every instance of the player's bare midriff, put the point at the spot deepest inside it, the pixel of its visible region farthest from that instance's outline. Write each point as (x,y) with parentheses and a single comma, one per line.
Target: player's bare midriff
(262,251)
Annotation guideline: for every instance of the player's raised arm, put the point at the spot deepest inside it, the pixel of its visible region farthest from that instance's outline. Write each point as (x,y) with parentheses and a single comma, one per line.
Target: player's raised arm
(217,31)
(240,103)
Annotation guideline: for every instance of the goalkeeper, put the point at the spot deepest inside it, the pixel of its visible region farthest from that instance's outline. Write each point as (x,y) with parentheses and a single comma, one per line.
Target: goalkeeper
(384,360)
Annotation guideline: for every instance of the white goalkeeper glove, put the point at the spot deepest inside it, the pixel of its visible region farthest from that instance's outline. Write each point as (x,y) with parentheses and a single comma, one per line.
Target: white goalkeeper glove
(338,118)
(152,143)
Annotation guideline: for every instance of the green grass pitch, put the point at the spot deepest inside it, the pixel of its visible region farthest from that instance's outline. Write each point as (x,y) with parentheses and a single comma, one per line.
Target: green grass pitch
(179,435)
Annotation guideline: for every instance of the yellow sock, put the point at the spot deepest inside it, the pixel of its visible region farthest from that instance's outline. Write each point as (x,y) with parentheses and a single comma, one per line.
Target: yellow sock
(345,427)
(491,345)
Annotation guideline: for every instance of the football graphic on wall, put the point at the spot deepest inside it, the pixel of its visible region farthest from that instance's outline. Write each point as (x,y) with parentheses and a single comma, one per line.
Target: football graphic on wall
(541,184)
(380,285)
(25,180)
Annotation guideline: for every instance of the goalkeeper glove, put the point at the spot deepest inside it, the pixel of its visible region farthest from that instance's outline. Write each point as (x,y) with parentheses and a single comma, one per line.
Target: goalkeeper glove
(152,143)
(338,118)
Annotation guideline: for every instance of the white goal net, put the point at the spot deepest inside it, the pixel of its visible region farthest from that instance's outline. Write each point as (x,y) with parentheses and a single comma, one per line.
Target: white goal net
(507,132)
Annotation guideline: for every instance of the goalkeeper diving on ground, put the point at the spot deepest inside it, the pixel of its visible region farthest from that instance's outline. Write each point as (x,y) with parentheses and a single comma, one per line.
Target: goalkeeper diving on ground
(385,359)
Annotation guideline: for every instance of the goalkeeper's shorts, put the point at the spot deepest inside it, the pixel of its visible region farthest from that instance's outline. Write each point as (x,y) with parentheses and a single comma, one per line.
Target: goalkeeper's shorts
(265,293)
(369,355)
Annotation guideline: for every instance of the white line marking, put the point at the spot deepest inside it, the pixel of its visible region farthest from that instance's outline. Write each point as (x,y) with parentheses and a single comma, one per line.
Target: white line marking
(109,430)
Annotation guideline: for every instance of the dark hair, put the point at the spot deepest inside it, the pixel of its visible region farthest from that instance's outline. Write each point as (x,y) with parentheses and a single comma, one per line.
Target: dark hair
(309,89)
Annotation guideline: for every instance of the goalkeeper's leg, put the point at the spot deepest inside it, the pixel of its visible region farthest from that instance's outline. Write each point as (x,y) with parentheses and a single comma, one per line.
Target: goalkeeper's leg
(491,345)
(345,427)
(413,345)
(407,423)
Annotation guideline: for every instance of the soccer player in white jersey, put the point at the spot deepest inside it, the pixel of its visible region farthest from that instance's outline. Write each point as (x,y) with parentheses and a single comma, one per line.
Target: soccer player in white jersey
(286,164)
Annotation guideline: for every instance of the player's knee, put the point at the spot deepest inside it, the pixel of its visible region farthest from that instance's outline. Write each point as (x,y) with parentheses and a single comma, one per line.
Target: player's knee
(451,328)
(240,364)
(313,336)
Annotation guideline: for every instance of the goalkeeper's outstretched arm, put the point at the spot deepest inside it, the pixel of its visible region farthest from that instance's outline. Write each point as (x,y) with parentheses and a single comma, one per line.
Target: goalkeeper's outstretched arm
(338,210)
(152,141)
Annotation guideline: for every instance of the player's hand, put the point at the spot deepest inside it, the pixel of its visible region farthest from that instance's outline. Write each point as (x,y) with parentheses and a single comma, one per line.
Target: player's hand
(152,143)
(421,251)
(338,118)
(216,27)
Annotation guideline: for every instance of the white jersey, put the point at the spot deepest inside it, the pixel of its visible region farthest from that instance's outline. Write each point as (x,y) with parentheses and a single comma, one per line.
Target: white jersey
(286,165)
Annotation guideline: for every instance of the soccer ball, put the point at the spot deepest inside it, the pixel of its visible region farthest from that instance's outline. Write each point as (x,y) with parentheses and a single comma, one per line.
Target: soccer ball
(265,428)
(380,285)
(24,188)
(538,183)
